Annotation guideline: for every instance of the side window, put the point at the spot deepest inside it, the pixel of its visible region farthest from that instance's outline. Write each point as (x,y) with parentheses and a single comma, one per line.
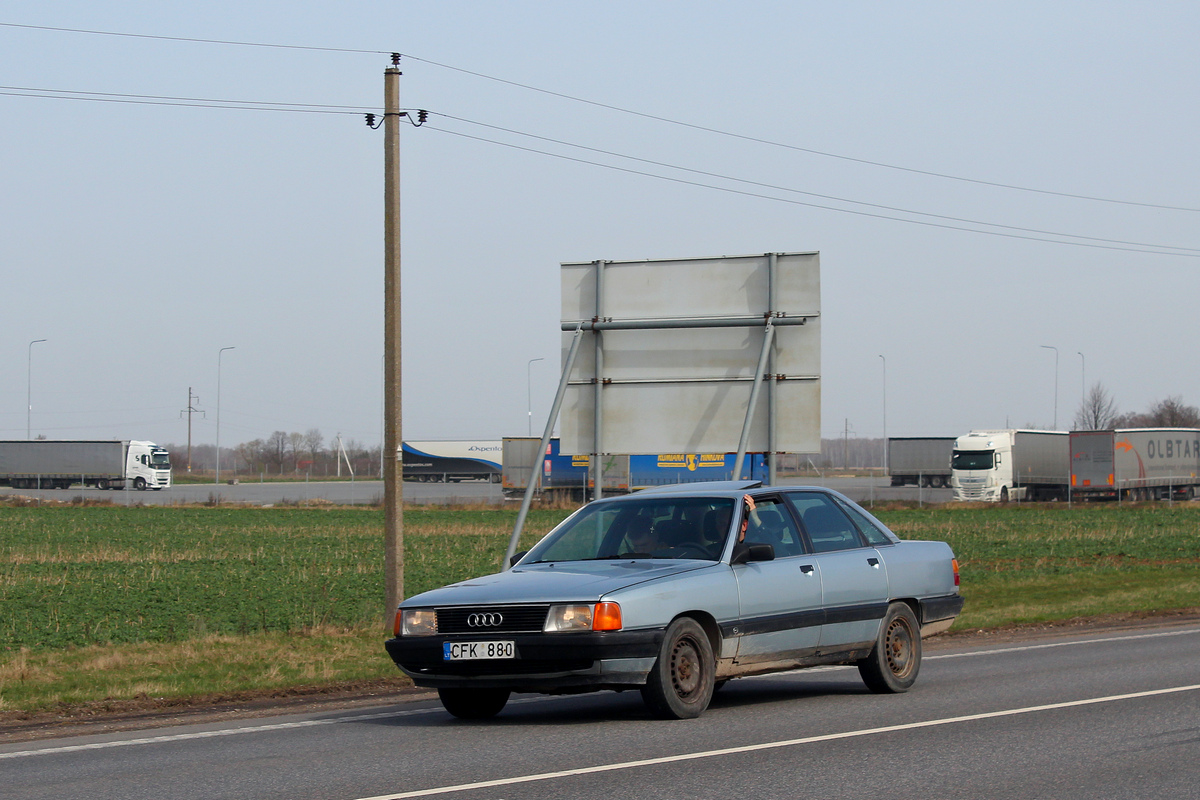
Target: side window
(827,526)
(771,523)
(866,526)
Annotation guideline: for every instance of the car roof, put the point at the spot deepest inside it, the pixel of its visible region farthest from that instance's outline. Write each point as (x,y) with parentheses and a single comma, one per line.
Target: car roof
(732,489)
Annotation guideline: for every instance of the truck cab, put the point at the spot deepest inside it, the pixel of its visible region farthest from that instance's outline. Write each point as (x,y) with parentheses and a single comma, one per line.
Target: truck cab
(148,466)
(981,467)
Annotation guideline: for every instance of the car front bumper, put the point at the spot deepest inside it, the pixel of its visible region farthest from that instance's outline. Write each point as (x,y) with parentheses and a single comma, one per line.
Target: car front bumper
(544,662)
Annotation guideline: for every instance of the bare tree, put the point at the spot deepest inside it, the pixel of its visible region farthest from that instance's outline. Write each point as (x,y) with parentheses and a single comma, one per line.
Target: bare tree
(1172,413)
(1097,412)
(1169,413)
(296,447)
(276,449)
(252,453)
(313,441)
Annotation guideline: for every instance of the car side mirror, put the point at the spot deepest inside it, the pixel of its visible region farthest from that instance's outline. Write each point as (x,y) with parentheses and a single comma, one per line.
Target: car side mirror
(742,553)
(512,562)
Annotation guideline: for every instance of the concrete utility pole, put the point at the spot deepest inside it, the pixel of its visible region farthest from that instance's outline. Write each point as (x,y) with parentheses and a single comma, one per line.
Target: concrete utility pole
(393,477)
(191,409)
(217,477)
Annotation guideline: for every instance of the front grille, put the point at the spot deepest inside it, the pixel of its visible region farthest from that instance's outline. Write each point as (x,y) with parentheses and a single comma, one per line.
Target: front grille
(512,619)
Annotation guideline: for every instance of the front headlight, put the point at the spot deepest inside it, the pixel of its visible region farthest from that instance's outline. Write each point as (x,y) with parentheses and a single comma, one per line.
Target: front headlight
(580,617)
(418,622)
(563,619)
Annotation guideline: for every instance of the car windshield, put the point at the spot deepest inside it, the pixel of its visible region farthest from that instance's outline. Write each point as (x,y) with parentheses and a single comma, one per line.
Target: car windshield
(971,459)
(662,527)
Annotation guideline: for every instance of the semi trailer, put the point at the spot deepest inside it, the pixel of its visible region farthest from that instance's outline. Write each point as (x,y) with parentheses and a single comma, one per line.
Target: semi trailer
(451,461)
(567,475)
(51,464)
(1003,465)
(1135,464)
(920,460)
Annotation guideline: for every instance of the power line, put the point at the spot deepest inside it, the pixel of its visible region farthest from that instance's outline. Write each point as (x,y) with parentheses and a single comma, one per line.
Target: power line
(814,194)
(257,105)
(797,148)
(812,205)
(190,102)
(193,40)
(620,109)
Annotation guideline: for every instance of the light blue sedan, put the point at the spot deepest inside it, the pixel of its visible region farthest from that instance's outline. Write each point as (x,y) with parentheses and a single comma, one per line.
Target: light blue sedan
(674,591)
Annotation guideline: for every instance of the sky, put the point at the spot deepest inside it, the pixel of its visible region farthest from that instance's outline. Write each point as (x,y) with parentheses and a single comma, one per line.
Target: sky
(139,237)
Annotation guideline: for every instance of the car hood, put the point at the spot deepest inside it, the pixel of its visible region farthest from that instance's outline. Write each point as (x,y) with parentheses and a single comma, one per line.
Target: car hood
(554,582)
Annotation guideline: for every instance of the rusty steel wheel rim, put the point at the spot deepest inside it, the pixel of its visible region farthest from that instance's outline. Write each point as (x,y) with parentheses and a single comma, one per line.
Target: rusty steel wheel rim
(898,646)
(685,668)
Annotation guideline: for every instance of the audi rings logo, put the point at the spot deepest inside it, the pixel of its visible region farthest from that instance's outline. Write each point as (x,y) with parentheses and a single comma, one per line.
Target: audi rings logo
(490,619)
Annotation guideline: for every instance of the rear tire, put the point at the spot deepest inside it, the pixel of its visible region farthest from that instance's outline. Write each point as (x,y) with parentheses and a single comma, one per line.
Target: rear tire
(474,703)
(680,685)
(895,660)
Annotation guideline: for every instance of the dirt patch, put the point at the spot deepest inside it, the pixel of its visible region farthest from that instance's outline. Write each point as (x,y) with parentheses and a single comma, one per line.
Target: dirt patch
(149,712)
(139,713)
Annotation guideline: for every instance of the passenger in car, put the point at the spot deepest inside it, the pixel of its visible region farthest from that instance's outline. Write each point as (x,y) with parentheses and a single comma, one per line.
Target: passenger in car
(749,511)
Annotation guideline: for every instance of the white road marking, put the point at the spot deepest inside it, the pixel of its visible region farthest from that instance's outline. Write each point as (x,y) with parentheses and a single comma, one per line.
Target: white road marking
(648,762)
(278,726)
(180,737)
(1072,643)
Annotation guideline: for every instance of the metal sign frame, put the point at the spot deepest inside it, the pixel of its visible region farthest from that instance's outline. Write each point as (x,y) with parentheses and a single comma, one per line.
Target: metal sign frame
(676,359)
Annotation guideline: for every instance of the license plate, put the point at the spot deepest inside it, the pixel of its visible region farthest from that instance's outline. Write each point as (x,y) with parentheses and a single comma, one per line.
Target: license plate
(467,651)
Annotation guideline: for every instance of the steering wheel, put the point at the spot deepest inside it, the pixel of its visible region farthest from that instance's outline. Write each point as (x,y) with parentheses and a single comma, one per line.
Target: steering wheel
(692,548)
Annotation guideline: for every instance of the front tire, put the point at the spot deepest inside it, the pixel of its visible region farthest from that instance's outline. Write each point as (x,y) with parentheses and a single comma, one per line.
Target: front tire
(680,685)
(139,483)
(474,703)
(895,660)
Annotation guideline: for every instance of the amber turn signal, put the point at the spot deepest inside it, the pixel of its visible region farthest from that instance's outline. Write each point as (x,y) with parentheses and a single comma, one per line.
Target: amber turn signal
(607,617)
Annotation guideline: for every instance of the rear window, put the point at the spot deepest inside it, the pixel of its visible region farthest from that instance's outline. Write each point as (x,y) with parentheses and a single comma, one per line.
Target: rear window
(827,526)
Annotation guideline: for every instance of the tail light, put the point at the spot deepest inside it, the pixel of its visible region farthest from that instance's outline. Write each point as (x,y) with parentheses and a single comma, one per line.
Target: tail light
(954,563)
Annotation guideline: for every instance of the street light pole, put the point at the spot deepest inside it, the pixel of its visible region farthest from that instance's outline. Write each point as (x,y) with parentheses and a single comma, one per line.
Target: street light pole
(217,479)
(885,443)
(1055,349)
(529,389)
(1082,379)
(29,389)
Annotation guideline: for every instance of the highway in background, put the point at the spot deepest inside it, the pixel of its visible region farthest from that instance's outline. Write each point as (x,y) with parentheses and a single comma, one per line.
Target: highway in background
(863,490)
(1111,714)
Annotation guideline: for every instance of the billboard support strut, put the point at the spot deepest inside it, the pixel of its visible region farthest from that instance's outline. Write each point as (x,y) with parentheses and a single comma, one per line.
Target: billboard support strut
(531,484)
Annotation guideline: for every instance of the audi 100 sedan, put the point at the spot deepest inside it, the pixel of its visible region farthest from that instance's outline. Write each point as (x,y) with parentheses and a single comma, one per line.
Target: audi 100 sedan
(674,591)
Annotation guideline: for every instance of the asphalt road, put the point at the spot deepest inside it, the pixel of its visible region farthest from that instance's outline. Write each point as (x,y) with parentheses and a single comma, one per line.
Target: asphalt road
(863,490)
(279,493)
(1109,715)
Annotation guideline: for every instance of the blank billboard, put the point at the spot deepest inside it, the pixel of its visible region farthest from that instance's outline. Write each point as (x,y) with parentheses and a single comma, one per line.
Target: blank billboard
(679,345)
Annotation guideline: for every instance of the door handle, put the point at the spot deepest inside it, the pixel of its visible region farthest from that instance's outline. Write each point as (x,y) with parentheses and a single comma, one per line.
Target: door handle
(874,562)
(807,569)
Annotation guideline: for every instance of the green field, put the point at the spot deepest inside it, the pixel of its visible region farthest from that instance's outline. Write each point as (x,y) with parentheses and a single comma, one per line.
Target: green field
(109,603)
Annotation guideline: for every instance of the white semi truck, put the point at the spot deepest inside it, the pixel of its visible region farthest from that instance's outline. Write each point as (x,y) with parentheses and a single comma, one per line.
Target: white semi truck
(998,466)
(1135,463)
(48,464)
